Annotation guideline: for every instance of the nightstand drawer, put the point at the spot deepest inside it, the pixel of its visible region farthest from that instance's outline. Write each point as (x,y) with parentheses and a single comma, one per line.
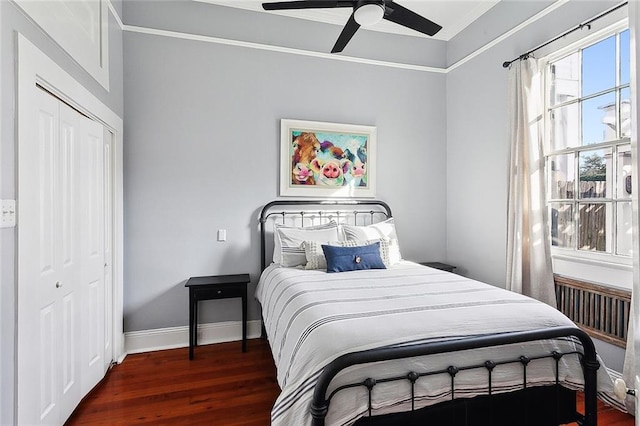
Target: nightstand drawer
(219,292)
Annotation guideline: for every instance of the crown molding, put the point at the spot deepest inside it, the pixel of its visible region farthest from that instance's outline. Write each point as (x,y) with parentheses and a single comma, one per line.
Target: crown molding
(280,49)
(115,14)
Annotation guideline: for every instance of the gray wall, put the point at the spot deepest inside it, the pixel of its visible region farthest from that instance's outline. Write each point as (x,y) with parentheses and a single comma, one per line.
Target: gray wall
(12,20)
(477,138)
(202,144)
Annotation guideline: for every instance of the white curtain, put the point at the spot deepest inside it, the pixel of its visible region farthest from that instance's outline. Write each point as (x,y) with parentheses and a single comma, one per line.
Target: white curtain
(529,269)
(629,368)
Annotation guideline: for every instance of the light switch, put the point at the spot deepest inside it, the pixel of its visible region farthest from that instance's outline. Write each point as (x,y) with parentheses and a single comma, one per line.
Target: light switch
(222,235)
(8,211)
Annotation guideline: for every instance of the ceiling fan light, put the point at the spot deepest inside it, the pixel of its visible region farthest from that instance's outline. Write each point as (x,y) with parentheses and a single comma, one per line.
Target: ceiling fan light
(368,14)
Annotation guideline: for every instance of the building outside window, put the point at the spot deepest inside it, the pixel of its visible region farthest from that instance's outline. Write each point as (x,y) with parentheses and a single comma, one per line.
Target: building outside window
(588,151)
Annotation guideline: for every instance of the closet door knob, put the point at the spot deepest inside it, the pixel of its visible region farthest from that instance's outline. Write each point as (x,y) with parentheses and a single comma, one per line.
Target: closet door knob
(58,284)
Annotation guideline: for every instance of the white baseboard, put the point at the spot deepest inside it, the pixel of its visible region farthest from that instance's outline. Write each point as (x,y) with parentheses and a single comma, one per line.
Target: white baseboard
(178,337)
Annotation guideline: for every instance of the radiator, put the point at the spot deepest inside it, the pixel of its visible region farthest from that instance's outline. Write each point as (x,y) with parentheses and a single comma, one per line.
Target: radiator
(601,311)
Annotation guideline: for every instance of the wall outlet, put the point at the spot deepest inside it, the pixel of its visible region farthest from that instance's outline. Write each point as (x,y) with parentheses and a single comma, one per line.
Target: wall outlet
(8,213)
(222,235)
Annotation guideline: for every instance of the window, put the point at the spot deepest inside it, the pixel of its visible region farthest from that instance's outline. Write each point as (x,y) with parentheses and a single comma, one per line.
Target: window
(588,152)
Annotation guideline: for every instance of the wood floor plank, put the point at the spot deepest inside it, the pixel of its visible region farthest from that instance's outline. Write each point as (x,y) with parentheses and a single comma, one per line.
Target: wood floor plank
(220,386)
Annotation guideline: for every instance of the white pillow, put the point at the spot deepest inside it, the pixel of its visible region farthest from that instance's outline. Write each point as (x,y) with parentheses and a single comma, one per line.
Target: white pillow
(315,255)
(378,231)
(288,250)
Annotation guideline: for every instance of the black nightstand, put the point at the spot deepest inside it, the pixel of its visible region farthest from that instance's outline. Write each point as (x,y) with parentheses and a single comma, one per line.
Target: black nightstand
(438,265)
(215,287)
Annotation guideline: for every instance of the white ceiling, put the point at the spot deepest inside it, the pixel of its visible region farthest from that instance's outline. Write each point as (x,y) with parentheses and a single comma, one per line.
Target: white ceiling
(453,15)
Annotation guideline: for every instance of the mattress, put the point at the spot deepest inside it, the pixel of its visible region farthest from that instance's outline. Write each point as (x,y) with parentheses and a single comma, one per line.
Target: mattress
(311,317)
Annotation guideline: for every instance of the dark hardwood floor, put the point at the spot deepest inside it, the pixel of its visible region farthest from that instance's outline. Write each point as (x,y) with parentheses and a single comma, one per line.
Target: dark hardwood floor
(607,415)
(221,386)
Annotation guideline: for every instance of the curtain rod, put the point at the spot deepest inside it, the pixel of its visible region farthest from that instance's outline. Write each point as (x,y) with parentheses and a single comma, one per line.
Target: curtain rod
(587,24)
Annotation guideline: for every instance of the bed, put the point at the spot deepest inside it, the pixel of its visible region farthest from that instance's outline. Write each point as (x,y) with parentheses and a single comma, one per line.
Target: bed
(401,343)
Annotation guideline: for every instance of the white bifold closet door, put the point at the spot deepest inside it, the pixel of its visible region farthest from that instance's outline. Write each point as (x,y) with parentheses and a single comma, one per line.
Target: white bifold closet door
(61,262)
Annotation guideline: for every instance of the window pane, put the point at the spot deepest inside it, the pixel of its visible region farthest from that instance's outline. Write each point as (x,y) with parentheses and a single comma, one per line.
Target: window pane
(594,167)
(623,180)
(562,225)
(565,125)
(599,66)
(624,229)
(625,113)
(565,79)
(625,53)
(592,229)
(588,162)
(599,119)
(562,169)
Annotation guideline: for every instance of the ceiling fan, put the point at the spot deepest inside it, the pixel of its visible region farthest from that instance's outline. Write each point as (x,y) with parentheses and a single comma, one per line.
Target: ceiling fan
(365,13)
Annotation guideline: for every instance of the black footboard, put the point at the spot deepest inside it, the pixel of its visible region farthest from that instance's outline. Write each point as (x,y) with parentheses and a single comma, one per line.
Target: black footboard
(320,404)
(535,406)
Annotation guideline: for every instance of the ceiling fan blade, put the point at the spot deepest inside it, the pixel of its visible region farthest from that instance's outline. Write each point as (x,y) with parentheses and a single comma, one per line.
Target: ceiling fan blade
(403,16)
(311,4)
(347,33)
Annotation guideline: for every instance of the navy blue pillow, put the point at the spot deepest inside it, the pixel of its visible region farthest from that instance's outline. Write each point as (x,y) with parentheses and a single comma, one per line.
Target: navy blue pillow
(342,259)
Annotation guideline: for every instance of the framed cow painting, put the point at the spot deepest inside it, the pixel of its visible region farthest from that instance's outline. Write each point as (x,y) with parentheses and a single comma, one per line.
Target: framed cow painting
(327,159)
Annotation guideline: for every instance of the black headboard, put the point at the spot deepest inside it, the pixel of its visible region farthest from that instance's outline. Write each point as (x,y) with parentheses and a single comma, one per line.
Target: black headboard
(312,212)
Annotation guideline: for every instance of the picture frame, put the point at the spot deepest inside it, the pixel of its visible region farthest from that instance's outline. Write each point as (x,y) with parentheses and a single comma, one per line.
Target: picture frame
(319,159)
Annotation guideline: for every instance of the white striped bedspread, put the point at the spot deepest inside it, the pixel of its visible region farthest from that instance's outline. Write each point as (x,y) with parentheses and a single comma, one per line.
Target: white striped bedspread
(312,317)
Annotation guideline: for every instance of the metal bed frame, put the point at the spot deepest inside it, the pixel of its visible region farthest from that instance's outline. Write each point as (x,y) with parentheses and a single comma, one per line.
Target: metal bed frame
(323,211)
(465,411)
